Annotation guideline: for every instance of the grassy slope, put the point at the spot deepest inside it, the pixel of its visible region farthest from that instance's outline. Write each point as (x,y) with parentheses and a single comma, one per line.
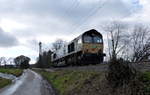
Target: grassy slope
(74,82)
(16,72)
(4,82)
(146,80)
(71,82)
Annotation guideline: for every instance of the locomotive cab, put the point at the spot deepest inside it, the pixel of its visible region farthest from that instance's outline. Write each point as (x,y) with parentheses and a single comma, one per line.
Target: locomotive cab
(92,42)
(93,46)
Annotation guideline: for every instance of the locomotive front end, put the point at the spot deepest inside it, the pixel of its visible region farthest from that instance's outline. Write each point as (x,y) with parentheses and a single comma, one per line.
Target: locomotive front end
(92,48)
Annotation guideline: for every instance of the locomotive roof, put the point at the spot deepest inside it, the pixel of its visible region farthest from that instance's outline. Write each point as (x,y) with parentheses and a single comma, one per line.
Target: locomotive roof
(92,31)
(87,32)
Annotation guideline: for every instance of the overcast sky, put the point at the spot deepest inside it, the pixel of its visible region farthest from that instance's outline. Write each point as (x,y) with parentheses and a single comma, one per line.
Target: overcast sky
(23,23)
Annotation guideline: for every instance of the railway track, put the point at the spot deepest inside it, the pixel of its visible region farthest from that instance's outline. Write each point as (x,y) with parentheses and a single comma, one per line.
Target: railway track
(142,66)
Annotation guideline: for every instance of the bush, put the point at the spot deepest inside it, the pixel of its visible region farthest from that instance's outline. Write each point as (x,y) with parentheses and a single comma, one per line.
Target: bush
(145,78)
(124,79)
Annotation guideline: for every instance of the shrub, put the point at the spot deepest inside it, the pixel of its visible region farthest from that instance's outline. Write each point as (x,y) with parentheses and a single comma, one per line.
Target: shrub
(124,79)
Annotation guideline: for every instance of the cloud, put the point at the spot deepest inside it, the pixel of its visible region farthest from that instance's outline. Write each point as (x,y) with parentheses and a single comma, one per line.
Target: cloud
(31,21)
(19,50)
(69,10)
(7,40)
(36,19)
(142,14)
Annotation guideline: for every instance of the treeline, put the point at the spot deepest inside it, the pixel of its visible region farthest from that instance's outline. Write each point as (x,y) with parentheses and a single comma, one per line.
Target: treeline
(126,44)
(44,60)
(17,62)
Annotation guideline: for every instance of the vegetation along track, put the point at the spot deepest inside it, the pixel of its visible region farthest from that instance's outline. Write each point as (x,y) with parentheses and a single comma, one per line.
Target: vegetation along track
(84,81)
(142,66)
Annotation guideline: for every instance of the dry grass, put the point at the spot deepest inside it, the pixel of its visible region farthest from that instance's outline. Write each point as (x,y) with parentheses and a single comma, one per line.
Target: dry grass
(4,82)
(15,72)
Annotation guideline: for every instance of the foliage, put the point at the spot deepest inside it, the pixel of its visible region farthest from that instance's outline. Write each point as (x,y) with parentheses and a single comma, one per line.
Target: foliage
(4,82)
(116,38)
(3,61)
(44,60)
(15,72)
(22,61)
(119,73)
(77,82)
(145,78)
(140,43)
(25,65)
(71,82)
(58,44)
(131,43)
(124,79)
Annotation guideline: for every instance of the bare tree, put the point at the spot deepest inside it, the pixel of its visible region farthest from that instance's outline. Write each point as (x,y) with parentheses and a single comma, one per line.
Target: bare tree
(119,73)
(45,61)
(58,44)
(3,61)
(10,61)
(116,38)
(140,43)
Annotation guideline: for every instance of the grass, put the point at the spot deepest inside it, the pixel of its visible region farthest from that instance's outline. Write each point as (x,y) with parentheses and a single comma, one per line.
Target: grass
(15,72)
(146,81)
(4,82)
(71,82)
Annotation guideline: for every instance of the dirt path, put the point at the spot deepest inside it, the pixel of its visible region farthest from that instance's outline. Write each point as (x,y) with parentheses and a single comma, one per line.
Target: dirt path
(30,83)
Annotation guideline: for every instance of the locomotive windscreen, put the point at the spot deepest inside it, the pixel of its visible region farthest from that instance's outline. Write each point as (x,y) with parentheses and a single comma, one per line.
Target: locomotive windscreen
(92,39)
(97,39)
(87,39)
(92,36)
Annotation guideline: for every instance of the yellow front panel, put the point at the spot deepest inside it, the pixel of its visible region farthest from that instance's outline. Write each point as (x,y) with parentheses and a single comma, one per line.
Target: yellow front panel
(92,48)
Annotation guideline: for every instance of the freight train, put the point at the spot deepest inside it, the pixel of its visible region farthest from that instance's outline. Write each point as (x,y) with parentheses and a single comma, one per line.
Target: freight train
(85,49)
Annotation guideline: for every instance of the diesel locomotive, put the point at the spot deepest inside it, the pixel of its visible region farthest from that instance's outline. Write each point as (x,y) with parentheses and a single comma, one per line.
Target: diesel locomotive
(85,49)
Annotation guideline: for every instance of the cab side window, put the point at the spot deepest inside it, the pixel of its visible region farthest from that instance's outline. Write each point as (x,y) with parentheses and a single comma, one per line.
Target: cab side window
(54,56)
(71,47)
(79,41)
